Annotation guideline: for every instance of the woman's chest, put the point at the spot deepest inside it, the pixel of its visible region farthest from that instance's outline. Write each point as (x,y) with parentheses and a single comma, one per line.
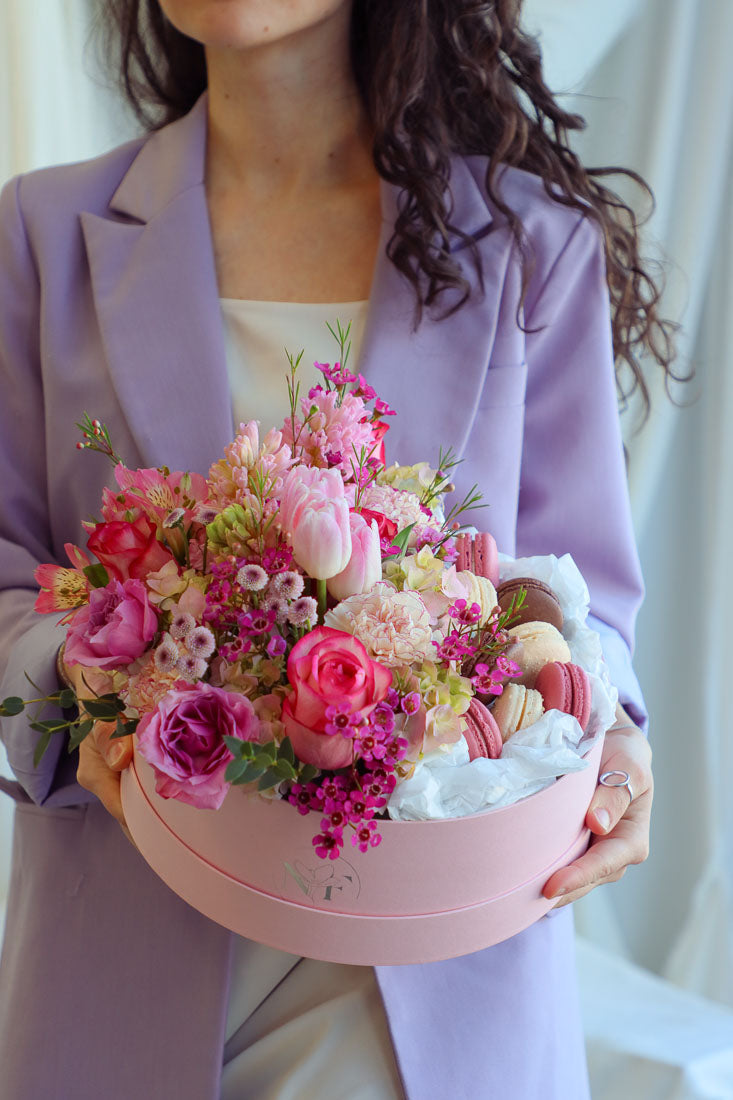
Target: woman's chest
(317,249)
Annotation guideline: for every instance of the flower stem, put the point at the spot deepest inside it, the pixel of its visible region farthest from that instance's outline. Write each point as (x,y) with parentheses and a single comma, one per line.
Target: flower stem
(322,595)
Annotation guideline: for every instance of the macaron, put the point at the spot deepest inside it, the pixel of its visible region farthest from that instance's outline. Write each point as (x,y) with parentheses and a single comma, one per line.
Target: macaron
(540,602)
(566,687)
(482,734)
(486,557)
(542,643)
(463,551)
(516,708)
(478,554)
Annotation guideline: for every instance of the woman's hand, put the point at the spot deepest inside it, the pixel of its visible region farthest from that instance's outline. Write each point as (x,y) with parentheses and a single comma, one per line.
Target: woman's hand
(621,837)
(101,757)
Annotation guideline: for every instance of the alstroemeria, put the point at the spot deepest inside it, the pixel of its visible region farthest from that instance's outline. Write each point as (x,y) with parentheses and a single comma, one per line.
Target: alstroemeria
(63,589)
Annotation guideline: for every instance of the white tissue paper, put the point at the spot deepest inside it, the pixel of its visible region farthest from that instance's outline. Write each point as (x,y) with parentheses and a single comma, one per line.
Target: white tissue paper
(446,784)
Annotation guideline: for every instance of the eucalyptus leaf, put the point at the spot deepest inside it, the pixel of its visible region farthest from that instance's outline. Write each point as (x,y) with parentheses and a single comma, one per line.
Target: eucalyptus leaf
(67,699)
(102,711)
(43,743)
(11,706)
(307,773)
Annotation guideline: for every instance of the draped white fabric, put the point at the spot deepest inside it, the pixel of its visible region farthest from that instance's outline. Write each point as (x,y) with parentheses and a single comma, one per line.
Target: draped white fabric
(654,80)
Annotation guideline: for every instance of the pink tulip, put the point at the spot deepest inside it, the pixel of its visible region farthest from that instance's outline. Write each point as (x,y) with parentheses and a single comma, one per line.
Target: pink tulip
(314,514)
(365,564)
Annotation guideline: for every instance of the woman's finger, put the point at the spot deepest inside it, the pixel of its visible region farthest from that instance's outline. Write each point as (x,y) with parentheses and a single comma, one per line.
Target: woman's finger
(610,804)
(95,772)
(607,857)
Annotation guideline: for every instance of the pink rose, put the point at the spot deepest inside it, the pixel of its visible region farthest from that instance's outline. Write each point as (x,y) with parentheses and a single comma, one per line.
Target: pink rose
(365,564)
(183,740)
(128,549)
(328,668)
(114,628)
(314,514)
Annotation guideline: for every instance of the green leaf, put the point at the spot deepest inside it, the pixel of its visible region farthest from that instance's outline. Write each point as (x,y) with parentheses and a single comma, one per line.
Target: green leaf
(67,699)
(268,781)
(262,760)
(402,538)
(101,710)
(96,574)
(234,744)
(235,771)
(286,750)
(78,732)
(43,743)
(285,770)
(251,773)
(307,773)
(49,725)
(11,706)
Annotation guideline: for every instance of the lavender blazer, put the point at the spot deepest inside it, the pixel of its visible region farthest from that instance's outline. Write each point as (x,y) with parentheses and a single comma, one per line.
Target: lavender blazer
(108,303)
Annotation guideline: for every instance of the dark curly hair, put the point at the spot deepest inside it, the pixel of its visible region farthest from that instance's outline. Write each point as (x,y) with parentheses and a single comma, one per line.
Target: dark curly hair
(459,76)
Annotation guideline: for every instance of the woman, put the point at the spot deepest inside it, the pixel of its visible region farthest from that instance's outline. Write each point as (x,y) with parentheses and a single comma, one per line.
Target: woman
(342,154)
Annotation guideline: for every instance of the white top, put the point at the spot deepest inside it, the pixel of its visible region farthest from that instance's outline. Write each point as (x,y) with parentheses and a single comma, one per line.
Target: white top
(297,1027)
(257,335)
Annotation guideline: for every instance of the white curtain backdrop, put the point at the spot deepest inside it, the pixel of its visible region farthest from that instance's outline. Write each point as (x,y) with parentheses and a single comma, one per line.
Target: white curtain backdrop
(655,81)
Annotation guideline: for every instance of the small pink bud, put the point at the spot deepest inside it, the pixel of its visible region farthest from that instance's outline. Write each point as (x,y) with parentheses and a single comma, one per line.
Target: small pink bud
(80,446)
(96,423)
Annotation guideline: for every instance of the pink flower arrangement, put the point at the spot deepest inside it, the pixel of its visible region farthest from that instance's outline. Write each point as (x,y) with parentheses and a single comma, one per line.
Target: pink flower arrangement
(291,623)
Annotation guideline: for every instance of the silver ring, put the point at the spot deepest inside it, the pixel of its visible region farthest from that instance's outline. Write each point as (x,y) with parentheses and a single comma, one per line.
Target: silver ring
(623,780)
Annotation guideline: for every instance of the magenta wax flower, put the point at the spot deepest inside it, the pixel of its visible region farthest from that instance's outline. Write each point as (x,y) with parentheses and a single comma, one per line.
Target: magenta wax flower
(114,628)
(183,740)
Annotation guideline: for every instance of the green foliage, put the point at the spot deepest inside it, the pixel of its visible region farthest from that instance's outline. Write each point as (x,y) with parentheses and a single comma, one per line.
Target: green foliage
(11,706)
(97,575)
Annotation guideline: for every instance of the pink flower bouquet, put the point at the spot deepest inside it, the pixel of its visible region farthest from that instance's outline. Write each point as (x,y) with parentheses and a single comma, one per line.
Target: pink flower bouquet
(306,623)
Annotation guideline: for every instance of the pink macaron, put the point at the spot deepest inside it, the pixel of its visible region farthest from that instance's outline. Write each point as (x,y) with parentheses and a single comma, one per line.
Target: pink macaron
(566,687)
(478,554)
(482,734)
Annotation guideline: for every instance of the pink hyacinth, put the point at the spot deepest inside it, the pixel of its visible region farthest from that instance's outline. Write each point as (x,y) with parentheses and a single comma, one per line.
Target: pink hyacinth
(332,430)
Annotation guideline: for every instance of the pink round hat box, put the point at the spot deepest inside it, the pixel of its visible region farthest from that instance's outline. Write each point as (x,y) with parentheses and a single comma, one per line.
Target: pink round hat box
(431,890)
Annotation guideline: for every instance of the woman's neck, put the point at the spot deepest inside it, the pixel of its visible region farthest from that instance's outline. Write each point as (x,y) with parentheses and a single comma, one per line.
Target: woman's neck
(286,118)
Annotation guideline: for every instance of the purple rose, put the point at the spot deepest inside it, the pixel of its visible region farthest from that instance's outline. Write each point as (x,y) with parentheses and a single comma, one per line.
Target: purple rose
(183,739)
(114,628)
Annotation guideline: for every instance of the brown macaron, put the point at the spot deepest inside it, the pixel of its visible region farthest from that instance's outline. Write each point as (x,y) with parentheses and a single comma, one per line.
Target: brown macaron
(540,603)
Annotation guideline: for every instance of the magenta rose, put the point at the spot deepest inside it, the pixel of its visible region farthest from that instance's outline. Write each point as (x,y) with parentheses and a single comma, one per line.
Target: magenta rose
(128,549)
(328,668)
(114,628)
(183,740)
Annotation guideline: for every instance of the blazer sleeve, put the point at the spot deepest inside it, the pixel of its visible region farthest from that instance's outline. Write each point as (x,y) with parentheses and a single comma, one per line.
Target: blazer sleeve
(573,494)
(28,641)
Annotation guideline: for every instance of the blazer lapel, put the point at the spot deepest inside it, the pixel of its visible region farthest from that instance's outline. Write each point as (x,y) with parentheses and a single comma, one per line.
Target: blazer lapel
(433,376)
(155,292)
(156,296)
